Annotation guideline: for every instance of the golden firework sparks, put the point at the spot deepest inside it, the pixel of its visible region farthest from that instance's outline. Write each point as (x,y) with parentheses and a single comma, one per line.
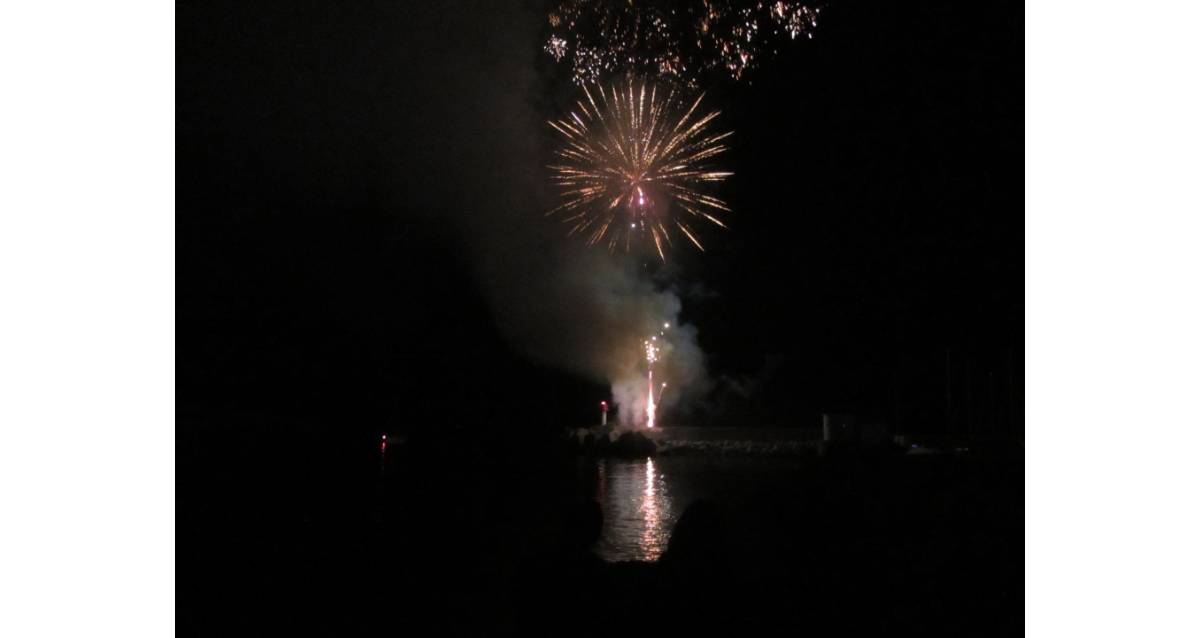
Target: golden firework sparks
(682,40)
(633,164)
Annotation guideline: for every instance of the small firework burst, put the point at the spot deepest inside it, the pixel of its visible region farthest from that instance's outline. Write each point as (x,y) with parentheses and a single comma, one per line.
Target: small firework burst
(651,351)
(556,47)
(634,165)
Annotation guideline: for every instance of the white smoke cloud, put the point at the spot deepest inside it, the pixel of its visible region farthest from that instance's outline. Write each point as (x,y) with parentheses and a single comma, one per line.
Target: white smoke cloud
(590,314)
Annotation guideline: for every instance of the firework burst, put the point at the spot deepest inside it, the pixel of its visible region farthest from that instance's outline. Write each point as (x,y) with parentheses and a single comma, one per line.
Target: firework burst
(682,40)
(634,164)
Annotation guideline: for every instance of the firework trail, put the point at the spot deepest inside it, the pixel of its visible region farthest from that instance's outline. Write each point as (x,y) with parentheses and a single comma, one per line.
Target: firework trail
(651,357)
(634,164)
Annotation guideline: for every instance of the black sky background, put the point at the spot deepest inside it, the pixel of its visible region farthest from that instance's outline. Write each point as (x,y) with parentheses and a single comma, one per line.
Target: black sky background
(327,152)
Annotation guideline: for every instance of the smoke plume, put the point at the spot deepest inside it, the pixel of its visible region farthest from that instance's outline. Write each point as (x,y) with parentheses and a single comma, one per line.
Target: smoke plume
(580,309)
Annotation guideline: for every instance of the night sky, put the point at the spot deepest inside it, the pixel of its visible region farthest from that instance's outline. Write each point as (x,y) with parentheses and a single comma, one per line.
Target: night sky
(335,161)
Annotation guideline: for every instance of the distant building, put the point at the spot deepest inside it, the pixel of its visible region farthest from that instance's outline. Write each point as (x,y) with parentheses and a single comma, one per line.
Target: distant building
(842,428)
(839,428)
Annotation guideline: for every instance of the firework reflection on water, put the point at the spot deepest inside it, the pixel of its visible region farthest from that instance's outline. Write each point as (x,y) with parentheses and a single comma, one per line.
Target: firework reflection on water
(639,512)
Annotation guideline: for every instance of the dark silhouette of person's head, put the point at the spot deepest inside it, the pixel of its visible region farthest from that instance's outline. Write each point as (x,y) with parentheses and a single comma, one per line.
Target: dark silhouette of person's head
(700,540)
(697,568)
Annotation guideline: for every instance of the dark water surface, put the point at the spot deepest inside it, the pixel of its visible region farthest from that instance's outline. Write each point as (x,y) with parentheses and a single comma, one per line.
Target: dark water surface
(642,499)
(293,536)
